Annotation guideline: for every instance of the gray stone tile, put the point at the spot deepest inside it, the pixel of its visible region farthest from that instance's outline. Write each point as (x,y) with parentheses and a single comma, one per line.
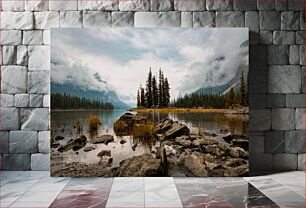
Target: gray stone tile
(300,119)
(256,144)
(260,120)
(276,100)
(16,161)
(260,162)
(203,19)
(10,119)
(285,162)
(283,118)
(269,20)
(230,19)
(290,20)
(278,54)
(295,100)
(23,142)
(294,141)
(274,142)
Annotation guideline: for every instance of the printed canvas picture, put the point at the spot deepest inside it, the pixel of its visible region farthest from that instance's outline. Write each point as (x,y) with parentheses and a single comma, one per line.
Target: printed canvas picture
(149,102)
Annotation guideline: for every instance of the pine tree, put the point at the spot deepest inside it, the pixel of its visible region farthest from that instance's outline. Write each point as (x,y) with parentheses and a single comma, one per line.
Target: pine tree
(142,97)
(160,88)
(154,91)
(138,99)
(231,97)
(149,95)
(166,93)
(243,96)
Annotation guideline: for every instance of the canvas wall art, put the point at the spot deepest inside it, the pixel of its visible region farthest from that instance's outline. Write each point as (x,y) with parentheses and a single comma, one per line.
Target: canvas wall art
(149,102)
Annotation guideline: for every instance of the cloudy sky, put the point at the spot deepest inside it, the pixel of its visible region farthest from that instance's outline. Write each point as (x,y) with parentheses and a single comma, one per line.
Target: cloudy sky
(119,59)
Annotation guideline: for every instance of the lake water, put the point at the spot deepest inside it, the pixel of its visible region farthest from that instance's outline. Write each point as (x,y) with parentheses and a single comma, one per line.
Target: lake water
(62,123)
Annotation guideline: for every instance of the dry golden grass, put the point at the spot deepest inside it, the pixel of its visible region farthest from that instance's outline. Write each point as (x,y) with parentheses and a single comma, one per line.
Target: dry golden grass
(144,131)
(93,123)
(179,110)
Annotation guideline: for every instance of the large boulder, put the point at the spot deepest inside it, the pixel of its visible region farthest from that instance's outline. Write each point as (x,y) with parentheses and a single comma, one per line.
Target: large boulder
(163,126)
(104,153)
(143,165)
(124,125)
(238,152)
(103,139)
(183,141)
(177,130)
(195,164)
(75,145)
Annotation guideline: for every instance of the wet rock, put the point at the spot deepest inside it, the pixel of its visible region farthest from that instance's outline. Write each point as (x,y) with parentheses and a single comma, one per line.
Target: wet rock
(143,165)
(241,143)
(122,141)
(106,161)
(87,149)
(163,126)
(177,130)
(75,145)
(59,138)
(103,139)
(134,147)
(195,164)
(124,125)
(183,141)
(238,152)
(104,153)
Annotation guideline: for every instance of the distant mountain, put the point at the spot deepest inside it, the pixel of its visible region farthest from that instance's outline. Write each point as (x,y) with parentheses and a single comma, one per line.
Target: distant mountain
(71,89)
(235,82)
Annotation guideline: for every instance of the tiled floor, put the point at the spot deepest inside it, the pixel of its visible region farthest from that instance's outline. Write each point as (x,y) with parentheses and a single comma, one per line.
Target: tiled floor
(38,189)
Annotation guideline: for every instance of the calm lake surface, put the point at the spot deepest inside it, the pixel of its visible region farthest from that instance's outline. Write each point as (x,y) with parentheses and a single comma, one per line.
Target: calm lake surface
(62,123)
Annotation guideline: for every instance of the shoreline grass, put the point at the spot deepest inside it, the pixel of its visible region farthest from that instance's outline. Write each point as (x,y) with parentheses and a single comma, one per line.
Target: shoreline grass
(179,110)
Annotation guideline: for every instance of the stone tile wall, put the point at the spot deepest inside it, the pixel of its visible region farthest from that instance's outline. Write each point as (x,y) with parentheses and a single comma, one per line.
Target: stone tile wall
(276,78)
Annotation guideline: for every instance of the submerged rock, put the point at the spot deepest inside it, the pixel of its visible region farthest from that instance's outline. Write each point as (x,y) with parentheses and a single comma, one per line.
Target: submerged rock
(122,141)
(103,139)
(143,165)
(75,145)
(104,153)
(124,125)
(87,149)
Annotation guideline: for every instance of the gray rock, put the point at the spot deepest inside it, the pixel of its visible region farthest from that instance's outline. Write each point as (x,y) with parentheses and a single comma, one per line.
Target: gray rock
(134,5)
(103,139)
(295,100)
(266,37)
(278,54)
(37,5)
(300,119)
(301,162)
(46,101)
(23,142)
(285,162)
(302,56)
(63,5)
(21,100)
(13,6)
(299,37)
(256,144)
(7,22)
(39,58)
(252,21)
(22,55)
(290,21)
(99,5)
(9,55)
(276,100)
(195,164)
(265,5)
(283,37)
(222,5)
(297,5)
(6,100)
(274,142)
(14,79)
(260,120)
(39,82)
(203,19)
(157,19)
(302,20)
(283,118)
(96,19)
(16,162)
(71,19)
(36,120)
(40,162)
(186,19)
(46,20)
(185,6)
(281,5)
(294,141)
(258,81)
(161,5)
(122,19)
(260,162)
(4,139)
(247,5)
(11,37)
(229,19)
(269,20)
(24,20)
(294,54)
(36,100)
(285,79)
(44,141)
(33,37)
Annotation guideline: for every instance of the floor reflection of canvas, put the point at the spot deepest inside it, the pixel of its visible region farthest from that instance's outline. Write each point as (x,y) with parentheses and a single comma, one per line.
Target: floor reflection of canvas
(149,102)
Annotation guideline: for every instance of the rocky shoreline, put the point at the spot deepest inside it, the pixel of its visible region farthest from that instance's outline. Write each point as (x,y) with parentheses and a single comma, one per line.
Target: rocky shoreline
(175,149)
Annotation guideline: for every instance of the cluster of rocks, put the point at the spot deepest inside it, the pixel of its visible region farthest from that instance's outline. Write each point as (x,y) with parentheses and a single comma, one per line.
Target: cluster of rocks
(124,125)
(237,109)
